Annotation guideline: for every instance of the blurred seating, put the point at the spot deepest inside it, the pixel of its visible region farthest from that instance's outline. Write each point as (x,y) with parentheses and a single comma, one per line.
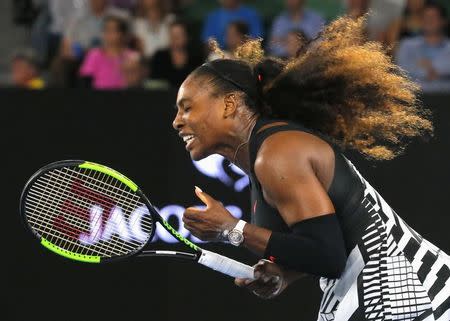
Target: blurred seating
(25,70)
(152,28)
(216,22)
(176,62)
(295,17)
(427,57)
(102,68)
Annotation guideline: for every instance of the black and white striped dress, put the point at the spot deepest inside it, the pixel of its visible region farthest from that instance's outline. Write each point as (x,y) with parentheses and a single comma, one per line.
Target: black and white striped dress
(392,273)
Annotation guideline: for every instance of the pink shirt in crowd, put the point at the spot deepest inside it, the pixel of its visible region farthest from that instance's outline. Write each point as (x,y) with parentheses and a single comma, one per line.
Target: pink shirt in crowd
(105,70)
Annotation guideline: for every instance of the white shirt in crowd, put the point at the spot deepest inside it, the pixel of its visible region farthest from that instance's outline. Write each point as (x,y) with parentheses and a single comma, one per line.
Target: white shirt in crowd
(153,38)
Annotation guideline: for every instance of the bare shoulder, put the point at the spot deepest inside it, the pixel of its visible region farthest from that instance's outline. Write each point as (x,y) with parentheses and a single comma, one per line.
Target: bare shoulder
(296,152)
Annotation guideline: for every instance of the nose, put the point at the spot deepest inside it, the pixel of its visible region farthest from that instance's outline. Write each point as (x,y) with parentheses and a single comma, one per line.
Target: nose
(177,122)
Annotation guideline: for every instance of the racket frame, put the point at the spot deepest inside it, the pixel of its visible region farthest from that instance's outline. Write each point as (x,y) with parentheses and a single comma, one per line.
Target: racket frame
(156,217)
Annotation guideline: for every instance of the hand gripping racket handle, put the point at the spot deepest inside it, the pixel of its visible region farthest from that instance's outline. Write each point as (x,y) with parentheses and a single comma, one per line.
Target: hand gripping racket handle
(226,265)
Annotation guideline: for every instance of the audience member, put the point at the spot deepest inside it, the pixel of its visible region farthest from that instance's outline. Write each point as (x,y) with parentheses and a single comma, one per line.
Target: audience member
(410,24)
(294,41)
(176,62)
(52,23)
(103,66)
(297,17)
(357,8)
(135,72)
(237,33)
(152,30)
(25,70)
(85,30)
(231,10)
(137,75)
(427,58)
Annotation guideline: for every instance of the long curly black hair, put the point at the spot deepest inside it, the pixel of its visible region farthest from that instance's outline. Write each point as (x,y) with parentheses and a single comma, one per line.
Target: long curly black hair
(340,85)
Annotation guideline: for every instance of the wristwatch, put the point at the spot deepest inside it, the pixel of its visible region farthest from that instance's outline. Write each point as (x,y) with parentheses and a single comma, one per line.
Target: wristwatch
(236,235)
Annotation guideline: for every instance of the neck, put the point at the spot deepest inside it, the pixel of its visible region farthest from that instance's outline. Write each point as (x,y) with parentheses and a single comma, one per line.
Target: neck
(237,150)
(113,50)
(433,38)
(154,18)
(296,14)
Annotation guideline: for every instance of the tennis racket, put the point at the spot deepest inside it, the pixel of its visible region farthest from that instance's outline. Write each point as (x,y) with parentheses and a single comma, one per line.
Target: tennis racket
(91,213)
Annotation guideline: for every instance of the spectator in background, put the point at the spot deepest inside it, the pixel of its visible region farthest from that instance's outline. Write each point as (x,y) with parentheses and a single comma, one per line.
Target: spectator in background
(84,32)
(410,24)
(25,70)
(175,63)
(297,17)
(237,33)
(51,24)
(427,58)
(102,66)
(357,8)
(152,30)
(294,41)
(135,72)
(137,75)
(232,10)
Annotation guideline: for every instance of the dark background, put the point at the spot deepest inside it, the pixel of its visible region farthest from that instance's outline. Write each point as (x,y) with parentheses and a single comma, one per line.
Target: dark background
(132,133)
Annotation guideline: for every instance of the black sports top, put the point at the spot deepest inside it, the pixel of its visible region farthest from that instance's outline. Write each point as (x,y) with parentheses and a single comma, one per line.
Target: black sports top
(391,272)
(345,190)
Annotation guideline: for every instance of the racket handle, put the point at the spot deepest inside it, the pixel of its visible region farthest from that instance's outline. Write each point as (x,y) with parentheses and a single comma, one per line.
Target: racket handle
(226,265)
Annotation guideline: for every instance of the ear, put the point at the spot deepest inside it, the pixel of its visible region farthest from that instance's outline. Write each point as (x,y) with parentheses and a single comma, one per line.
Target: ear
(230,103)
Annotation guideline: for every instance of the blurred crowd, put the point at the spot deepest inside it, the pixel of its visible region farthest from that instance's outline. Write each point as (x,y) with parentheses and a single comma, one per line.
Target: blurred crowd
(154,44)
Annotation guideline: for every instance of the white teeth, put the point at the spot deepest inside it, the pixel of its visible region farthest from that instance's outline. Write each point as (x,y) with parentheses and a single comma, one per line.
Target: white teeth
(188,138)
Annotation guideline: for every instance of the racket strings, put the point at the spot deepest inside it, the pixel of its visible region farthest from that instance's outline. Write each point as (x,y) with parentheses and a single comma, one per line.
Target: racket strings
(123,196)
(47,226)
(110,189)
(47,218)
(51,190)
(63,180)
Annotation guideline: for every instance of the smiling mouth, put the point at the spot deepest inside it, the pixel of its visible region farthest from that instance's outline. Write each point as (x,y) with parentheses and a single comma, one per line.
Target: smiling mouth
(188,138)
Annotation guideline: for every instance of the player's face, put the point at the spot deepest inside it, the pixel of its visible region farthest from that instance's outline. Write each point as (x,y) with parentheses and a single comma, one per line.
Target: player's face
(199,118)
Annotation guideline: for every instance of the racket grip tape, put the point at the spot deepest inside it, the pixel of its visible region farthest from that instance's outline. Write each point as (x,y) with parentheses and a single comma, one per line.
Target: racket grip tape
(226,265)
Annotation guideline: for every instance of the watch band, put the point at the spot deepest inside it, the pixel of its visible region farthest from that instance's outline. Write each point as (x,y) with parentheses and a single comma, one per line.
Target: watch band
(240,226)
(236,235)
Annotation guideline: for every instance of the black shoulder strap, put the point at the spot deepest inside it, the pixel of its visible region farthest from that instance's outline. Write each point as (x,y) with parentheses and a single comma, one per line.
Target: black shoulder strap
(258,136)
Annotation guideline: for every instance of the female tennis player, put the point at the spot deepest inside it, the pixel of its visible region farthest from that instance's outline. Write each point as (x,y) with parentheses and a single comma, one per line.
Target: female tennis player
(313,213)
